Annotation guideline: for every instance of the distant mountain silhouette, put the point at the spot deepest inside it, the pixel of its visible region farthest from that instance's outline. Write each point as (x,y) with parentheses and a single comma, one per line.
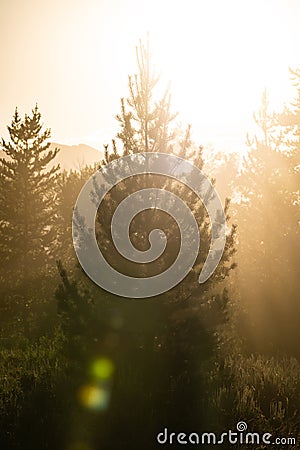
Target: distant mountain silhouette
(72,157)
(75,157)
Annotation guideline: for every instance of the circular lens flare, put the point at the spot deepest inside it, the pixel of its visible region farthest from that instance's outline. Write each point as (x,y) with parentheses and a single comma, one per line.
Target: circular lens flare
(94,397)
(102,369)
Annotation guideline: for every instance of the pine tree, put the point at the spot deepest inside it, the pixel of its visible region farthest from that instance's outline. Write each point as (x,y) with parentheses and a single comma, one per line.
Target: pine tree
(161,347)
(27,199)
(288,122)
(268,224)
(68,186)
(164,341)
(147,125)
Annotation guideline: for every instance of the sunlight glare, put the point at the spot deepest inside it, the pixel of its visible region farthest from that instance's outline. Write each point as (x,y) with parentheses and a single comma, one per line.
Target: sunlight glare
(219,57)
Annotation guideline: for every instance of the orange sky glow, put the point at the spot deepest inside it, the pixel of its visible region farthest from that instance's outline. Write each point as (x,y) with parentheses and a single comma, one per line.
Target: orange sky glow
(73,58)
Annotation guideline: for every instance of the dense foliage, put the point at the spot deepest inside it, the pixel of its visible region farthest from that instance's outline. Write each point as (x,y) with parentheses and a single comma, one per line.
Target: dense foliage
(82,369)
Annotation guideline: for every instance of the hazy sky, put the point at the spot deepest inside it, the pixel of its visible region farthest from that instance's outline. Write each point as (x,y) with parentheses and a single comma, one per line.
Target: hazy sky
(73,58)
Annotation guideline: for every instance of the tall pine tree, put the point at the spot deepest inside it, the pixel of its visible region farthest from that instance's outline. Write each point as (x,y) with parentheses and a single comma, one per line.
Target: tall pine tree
(268,221)
(27,199)
(160,345)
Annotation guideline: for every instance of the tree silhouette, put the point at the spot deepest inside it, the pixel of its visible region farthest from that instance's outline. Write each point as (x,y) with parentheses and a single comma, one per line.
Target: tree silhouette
(27,199)
(163,343)
(268,221)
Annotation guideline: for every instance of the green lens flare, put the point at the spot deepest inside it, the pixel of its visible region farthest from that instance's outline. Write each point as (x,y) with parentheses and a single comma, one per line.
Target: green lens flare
(102,369)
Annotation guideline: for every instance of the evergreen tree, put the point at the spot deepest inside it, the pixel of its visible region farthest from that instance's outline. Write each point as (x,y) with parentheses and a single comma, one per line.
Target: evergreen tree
(68,186)
(145,126)
(268,223)
(161,345)
(27,199)
(288,122)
